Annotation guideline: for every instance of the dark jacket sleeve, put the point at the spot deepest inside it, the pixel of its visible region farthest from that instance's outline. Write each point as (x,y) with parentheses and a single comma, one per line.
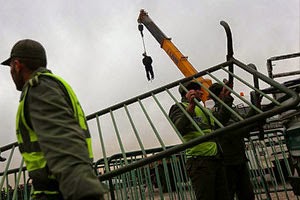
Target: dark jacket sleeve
(61,139)
(179,119)
(221,112)
(242,132)
(226,117)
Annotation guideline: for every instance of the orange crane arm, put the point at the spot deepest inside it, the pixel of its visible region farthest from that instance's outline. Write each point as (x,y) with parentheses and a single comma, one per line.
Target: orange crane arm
(176,56)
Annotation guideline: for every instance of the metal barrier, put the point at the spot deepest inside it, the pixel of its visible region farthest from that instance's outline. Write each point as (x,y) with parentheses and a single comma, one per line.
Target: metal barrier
(14,182)
(269,165)
(129,165)
(166,177)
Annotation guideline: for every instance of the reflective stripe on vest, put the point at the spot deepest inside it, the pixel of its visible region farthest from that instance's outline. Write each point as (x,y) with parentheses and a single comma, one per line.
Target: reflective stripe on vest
(30,150)
(206,148)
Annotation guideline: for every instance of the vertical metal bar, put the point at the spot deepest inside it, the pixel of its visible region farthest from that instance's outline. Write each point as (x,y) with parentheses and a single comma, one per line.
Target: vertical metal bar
(188,187)
(116,185)
(270,68)
(102,144)
(263,147)
(8,188)
(120,141)
(167,116)
(122,184)
(251,168)
(148,181)
(25,185)
(134,183)
(285,157)
(264,182)
(255,89)
(254,170)
(127,186)
(257,101)
(135,130)
(167,177)
(158,180)
(106,164)
(152,125)
(278,166)
(118,137)
(176,177)
(141,182)
(6,167)
(229,47)
(15,194)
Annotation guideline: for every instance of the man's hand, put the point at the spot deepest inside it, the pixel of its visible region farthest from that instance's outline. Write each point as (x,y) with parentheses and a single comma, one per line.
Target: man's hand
(225,92)
(190,96)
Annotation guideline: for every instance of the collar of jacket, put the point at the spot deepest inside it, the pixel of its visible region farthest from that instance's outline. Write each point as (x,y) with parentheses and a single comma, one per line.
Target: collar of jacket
(41,70)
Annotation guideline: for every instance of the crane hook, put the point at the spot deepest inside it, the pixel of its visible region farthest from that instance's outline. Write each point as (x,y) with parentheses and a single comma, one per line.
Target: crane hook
(141,28)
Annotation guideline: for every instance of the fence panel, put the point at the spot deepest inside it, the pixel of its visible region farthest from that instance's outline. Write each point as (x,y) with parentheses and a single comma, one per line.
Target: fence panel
(140,153)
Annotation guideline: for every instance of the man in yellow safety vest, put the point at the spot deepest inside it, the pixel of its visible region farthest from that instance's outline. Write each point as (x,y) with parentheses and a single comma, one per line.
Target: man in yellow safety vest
(51,129)
(204,164)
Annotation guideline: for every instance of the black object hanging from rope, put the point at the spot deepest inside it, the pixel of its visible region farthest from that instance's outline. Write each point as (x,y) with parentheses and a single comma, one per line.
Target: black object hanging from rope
(147,60)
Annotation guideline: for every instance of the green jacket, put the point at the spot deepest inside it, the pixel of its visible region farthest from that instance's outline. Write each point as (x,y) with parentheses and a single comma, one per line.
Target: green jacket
(190,132)
(48,111)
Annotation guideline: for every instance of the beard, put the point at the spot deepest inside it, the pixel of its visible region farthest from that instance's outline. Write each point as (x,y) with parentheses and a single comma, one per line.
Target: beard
(19,83)
(17,78)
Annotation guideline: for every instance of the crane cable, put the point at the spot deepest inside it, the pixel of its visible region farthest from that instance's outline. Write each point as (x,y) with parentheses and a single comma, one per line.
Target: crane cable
(141,27)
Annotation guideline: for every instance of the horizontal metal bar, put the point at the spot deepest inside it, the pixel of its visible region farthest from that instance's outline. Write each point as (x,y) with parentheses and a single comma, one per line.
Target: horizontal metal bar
(282,57)
(8,147)
(158,90)
(286,74)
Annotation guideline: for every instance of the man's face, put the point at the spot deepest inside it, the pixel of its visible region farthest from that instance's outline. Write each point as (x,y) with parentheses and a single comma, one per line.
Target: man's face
(15,71)
(194,93)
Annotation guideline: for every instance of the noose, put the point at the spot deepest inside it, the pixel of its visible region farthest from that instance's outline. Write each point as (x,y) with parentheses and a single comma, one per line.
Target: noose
(141,27)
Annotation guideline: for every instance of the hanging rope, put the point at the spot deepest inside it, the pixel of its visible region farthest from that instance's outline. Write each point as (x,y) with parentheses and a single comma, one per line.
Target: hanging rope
(141,27)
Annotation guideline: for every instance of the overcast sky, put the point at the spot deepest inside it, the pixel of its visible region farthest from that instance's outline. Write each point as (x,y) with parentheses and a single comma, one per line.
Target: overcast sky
(95,45)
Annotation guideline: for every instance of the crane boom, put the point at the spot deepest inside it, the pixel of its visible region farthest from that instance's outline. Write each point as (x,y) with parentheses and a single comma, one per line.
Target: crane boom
(176,56)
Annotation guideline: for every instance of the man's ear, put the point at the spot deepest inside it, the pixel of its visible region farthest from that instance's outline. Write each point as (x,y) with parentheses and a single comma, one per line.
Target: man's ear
(18,65)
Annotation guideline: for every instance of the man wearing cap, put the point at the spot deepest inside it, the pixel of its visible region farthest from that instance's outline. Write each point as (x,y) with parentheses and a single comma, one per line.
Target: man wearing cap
(233,145)
(204,165)
(52,132)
